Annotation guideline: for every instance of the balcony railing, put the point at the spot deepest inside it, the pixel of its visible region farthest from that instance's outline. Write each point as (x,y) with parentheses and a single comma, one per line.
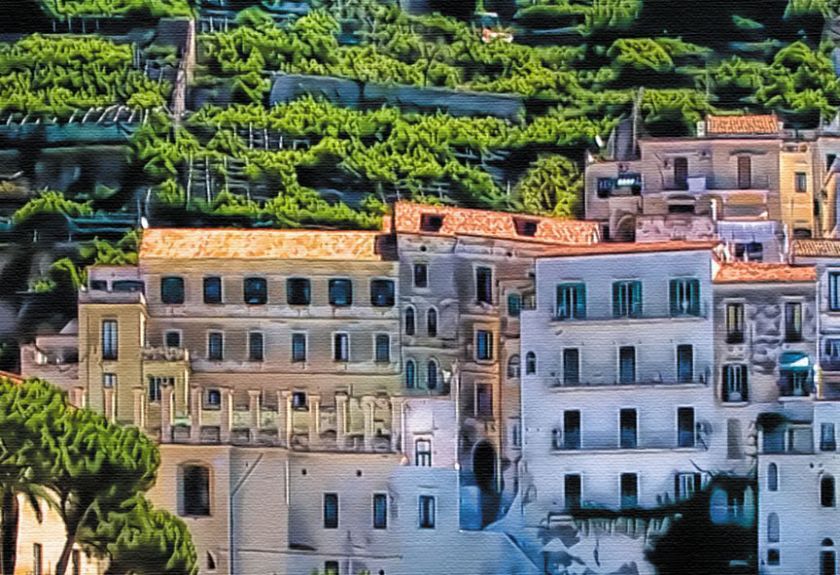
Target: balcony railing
(713,183)
(164,353)
(702,312)
(556,382)
(644,439)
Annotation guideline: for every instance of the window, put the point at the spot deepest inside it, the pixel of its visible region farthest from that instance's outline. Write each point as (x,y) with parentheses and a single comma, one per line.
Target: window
(381,293)
(110,339)
(629,431)
(571,429)
(685,363)
(410,374)
(383,348)
(627,299)
(571,366)
(629,490)
(832,353)
(750,251)
(483,344)
(410,327)
(834,291)
(431,322)
(256,349)
(627,364)
(686,433)
(427,512)
(525,227)
(800,182)
(431,222)
(772,477)
(735,387)
(513,366)
(299,400)
(421,275)
(298,347)
(515,432)
(341,347)
(37,559)
(423,453)
(514,305)
(744,172)
(773,528)
(681,173)
(172,339)
(380,511)
(195,494)
(794,382)
(215,346)
(686,485)
(734,323)
(571,301)
(98,285)
(131,286)
(172,290)
(213,290)
(154,390)
(330,510)
(341,292)
(572,488)
(530,363)
(605,186)
(793,321)
(484,285)
(214,398)
(331,568)
(734,449)
(484,400)
(211,562)
(298,291)
(109,380)
(685,297)
(255,291)
(773,557)
(827,439)
(431,374)
(827,491)
(828,563)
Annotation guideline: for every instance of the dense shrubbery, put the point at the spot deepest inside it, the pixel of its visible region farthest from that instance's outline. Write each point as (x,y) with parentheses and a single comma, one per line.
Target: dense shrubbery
(55,75)
(154,8)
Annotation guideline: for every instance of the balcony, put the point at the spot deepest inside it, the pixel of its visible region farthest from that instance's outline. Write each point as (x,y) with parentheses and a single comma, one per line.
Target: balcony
(644,439)
(714,184)
(556,383)
(164,353)
(643,316)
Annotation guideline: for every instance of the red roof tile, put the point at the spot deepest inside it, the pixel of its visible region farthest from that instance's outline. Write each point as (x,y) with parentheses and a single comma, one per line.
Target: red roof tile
(13,377)
(752,124)
(754,272)
(607,248)
(188,243)
(816,248)
(409,219)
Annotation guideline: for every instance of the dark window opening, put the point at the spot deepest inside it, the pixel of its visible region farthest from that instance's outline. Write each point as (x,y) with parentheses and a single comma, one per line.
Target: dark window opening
(681,173)
(256,291)
(526,227)
(213,290)
(341,292)
(215,346)
(196,490)
(131,286)
(172,290)
(298,347)
(330,510)
(629,490)
(431,222)
(382,293)
(571,366)
(484,285)
(572,487)
(256,349)
(380,511)
(427,512)
(685,427)
(421,275)
(298,291)
(629,429)
(571,430)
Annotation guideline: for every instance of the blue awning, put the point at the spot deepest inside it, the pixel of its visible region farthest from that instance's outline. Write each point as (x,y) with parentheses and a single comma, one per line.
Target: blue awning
(794,361)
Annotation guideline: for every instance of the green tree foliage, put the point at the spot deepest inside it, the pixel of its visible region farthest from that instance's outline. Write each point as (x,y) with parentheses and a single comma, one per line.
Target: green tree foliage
(51,202)
(28,418)
(551,187)
(57,74)
(143,540)
(155,8)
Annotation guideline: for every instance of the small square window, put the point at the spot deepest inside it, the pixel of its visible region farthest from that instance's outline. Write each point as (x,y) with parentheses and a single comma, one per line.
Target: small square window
(109,380)
(172,339)
(431,223)
(341,292)
(773,557)
(213,398)
(299,400)
(172,290)
(213,290)
(255,291)
(298,291)
(381,293)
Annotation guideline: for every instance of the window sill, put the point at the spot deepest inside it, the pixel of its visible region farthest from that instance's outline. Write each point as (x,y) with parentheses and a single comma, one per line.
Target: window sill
(735,403)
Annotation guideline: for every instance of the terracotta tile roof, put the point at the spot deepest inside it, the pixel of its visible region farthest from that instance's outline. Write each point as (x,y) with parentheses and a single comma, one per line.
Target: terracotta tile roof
(755,124)
(754,272)
(190,243)
(409,219)
(816,248)
(13,377)
(608,248)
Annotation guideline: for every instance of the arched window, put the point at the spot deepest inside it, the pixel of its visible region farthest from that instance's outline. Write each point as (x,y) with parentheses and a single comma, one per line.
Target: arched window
(431,322)
(773,528)
(772,477)
(827,491)
(410,374)
(211,562)
(828,558)
(195,490)
(513,366)
(431,374)
(530,363)
(410,327)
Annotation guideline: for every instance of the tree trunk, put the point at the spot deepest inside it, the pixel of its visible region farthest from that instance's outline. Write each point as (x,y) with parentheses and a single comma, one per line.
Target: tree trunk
(9,532)
(61,566)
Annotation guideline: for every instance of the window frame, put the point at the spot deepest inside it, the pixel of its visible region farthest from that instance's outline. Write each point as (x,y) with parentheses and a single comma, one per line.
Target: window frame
(378,338)
(295,337)
(484,287)
(431,322)
(627,299)
(339,338)
(484,350)
(833,292)
(180,295)
(793,318)
(390,294)
(340,287)
(260,355)
(623,378)
(170,332)
(424,275)
(211,356)
(380,514)
(567,353)
(298,286)
(625,440)
(624,499)
(330,515)
(206,281)
(426,514)
(410,320)
(686,439)
(681,349)
(422,458)
(681,302)
(728,384)
(250,296)
(110,339)
(410,370)
(190,506)
(575,307)
(734,321)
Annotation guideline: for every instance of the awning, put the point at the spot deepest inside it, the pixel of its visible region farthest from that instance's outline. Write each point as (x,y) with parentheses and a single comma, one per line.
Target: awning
(794,361)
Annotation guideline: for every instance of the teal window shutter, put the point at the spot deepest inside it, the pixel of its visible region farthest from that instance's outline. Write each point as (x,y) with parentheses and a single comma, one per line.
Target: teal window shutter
(636,298)
(580,302)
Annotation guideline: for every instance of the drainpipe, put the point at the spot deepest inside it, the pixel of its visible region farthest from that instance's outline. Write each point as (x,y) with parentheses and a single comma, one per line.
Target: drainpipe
(817,368)
(234,491)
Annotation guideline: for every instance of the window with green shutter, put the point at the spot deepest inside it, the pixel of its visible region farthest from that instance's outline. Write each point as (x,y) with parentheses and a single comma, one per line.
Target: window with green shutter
(685,296)
(571,301)
(627,299)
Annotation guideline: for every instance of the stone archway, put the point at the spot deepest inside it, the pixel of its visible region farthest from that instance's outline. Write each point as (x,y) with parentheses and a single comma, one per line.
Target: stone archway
(625,229)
